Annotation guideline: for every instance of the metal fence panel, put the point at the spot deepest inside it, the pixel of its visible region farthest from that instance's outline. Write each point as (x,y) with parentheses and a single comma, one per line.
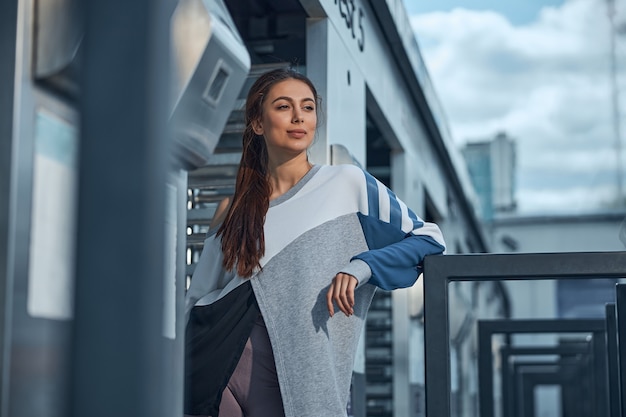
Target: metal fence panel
(439,271)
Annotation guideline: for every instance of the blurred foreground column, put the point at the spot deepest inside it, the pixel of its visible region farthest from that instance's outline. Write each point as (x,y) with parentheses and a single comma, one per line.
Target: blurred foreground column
(8,36)
(118,345)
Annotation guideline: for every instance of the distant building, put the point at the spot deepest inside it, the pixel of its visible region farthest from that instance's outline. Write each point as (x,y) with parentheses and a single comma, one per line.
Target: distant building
(491,166)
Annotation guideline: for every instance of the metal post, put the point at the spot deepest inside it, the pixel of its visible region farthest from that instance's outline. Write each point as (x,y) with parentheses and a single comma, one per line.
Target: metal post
(612,360)
(620,296)
(506,385)
(527,400)
(485,371)
(436,330)
(600,372)
(8,38)
(118,345)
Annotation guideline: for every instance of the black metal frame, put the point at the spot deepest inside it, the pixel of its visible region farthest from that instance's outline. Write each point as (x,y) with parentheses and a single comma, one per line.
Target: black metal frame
(487,328)
(526,376)
(620,297)
(566,374)
(439,271)
(508,390)
(612,360)
(529,379)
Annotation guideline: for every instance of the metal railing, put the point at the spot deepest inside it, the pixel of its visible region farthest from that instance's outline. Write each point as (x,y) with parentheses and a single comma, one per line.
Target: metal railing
(440,271)
(573,359)
(487,328)
(620,327)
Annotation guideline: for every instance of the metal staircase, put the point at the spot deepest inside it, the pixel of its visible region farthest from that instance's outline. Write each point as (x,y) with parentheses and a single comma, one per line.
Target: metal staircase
(379,356)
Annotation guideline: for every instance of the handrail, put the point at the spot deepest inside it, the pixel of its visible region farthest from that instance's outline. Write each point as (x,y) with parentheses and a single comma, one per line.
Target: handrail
(440,271)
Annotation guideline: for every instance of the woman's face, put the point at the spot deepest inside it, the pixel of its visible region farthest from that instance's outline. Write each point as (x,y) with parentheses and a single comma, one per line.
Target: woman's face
(289,119)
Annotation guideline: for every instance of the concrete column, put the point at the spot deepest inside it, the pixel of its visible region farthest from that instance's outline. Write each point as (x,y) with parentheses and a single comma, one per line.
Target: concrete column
(119,362)
(8,37)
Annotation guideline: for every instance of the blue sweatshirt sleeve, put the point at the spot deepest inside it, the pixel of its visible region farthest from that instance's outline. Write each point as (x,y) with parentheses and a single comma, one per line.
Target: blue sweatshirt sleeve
(398,240)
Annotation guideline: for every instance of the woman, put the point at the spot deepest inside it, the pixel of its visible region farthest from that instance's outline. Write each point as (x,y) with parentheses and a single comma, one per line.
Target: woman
(296,242)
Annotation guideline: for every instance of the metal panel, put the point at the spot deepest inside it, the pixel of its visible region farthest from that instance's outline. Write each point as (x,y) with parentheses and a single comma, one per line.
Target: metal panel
(439,271)
(211,64)
(57,44)
(119,353)
(35,363)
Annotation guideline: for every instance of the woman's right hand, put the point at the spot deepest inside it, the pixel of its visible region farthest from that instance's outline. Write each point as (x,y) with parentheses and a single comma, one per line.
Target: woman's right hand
(341,291)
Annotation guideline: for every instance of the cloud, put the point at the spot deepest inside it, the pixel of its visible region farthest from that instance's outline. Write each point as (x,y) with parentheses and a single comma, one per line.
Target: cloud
(546,84)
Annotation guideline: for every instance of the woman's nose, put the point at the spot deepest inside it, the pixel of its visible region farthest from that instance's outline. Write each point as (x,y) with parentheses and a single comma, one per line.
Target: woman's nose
(297,116)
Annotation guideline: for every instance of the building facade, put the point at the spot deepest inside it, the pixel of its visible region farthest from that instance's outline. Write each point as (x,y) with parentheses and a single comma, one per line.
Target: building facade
(379,111)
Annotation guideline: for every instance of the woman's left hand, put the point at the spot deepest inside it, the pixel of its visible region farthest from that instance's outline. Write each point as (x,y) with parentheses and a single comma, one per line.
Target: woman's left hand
(341,291)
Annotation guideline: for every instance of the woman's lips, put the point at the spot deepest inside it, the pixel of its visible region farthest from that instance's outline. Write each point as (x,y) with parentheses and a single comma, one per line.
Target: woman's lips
(297,133)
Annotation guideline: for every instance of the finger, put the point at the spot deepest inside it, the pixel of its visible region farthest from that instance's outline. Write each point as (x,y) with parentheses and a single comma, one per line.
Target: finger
(343,296)
(351,283)
(337,293)
(351,287)
(336,288)
(329,299)
(343,280)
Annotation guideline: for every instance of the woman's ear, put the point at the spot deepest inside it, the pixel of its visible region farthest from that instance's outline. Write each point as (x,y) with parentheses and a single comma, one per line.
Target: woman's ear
(257,126)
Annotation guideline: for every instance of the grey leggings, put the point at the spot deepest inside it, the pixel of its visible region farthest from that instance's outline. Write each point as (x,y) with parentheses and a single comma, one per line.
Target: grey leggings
(253,389)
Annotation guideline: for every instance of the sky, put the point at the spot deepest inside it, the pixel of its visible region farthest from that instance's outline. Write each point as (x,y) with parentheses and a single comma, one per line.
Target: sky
(538,70)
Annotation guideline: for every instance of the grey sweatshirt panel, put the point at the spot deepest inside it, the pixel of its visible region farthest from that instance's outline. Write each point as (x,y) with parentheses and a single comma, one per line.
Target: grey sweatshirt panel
(314,352)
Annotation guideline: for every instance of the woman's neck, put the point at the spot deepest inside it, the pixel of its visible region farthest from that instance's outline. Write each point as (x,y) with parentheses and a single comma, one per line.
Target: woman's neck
(284,175)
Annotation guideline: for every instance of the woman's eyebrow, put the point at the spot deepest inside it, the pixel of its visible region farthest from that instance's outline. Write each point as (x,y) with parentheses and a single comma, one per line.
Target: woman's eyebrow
(282,98)
(291,99)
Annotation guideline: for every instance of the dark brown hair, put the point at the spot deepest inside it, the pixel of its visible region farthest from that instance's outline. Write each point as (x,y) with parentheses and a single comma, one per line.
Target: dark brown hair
(243,240)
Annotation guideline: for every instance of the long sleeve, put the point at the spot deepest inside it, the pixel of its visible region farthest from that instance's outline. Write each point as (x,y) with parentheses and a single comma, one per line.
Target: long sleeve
(210,281)
(398,240)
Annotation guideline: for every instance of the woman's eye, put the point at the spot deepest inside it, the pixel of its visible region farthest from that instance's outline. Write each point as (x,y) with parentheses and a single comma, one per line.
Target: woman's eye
(309,108)
(282,106)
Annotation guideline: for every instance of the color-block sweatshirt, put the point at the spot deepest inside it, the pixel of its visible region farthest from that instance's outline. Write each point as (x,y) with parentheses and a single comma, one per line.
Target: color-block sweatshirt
(335,219)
